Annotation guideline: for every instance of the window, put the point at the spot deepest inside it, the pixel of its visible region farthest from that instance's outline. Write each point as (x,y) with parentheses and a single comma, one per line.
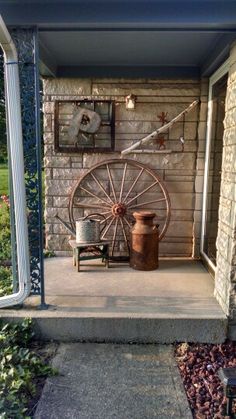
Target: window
(87,125)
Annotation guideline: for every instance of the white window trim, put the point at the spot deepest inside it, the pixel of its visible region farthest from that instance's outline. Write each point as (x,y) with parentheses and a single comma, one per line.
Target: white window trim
(222,70)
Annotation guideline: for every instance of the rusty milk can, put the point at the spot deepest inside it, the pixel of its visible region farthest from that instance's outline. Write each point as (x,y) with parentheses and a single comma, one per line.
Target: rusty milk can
(144,242)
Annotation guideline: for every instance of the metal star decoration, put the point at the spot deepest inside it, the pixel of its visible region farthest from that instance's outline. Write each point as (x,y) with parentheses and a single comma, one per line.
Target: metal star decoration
(161,142)
(163,118)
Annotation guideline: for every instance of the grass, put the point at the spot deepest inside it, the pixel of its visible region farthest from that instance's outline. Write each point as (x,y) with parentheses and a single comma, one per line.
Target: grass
(3,179)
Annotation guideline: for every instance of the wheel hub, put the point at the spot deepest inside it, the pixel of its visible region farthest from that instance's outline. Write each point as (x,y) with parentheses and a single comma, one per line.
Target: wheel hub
(119,210)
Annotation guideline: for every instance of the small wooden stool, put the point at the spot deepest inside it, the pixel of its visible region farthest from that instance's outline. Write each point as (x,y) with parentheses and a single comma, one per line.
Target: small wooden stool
(89,251)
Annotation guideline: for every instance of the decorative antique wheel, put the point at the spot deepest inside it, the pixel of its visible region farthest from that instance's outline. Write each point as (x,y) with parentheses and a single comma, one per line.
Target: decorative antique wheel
(115,189)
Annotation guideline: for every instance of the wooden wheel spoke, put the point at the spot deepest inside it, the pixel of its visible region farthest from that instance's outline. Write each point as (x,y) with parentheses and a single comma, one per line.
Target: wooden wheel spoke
(102,188)
(141,193)
(92,206)
(111,182)
(106,212)
(122,182)
(133,185)
(106,218)
(130,213)
(147,203)
(124,233)
(95,196)
(127,222)
(107,227)
(114,236)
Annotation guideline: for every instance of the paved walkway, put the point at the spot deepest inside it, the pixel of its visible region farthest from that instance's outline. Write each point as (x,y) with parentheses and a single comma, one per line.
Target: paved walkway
(106,381)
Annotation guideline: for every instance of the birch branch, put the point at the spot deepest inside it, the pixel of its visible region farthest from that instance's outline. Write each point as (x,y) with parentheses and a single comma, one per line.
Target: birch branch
(153,135)
(149,151)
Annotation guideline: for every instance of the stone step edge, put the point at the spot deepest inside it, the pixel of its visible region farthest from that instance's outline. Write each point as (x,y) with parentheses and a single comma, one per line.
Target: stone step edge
(121,330)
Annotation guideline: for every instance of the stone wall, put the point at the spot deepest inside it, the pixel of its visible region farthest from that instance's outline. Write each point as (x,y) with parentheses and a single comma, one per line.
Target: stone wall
(182,172)
(225,280)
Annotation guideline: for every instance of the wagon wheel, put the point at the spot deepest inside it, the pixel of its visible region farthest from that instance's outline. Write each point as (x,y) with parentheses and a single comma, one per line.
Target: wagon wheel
(117,188)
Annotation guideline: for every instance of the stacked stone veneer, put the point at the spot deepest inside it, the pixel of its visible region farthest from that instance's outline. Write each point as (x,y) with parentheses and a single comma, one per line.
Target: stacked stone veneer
(225,281)
(181,172)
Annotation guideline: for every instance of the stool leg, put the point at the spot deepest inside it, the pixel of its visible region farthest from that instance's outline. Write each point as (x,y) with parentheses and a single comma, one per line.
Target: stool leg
(103,254)
(78,259)
(74,257)
(107,255)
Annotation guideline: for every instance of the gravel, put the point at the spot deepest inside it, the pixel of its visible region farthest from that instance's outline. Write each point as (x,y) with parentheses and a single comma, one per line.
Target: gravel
(198,365)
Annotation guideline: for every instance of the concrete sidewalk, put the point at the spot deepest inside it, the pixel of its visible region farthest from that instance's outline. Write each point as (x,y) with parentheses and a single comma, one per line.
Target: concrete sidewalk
(105,381)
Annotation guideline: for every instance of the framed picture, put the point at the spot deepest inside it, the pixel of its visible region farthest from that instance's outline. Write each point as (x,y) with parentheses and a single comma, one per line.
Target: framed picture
(86,125)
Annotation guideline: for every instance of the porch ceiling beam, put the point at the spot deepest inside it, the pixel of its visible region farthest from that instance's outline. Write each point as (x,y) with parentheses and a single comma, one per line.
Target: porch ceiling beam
(128,71)
(218,55)
(47,63)
(150,28)
(194,14)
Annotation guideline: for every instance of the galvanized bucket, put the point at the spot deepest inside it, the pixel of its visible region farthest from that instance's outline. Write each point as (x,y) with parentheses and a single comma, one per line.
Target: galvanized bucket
(89,230)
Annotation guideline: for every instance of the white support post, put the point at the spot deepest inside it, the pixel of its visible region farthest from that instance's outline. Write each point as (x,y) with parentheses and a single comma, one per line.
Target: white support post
(17,162)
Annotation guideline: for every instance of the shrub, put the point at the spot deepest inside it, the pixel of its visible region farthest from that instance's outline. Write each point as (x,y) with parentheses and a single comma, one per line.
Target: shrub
(20,368)
(5,247)
(5,230)
(6,283)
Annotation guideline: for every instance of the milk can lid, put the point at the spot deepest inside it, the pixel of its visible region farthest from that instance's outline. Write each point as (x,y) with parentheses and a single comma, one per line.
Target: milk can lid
(144,215)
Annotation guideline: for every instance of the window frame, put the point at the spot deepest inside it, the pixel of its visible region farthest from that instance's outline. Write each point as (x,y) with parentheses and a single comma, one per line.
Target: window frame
(74,149)
(222,70)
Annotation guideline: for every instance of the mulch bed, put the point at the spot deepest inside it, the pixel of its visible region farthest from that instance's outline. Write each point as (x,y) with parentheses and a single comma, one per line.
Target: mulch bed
(198,365)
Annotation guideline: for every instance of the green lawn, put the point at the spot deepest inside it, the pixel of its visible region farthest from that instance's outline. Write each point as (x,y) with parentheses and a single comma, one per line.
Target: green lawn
(3,179)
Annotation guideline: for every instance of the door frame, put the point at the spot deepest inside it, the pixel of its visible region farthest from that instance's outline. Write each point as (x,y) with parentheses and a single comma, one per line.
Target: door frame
(219,73)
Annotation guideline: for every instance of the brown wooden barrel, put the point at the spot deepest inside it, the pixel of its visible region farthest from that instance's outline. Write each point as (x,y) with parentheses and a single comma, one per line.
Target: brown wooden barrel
(144,242)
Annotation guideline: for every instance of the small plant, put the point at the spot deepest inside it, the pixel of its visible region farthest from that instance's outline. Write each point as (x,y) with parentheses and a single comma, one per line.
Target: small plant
(6,283)
(20,367)
(5,230)
(49,253)
(5,247)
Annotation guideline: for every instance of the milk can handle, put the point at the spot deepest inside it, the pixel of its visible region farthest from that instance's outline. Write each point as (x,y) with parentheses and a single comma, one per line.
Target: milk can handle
(99,215)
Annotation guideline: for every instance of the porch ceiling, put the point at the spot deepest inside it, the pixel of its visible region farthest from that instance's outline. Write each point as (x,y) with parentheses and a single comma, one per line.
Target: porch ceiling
(154,38)
(132,53)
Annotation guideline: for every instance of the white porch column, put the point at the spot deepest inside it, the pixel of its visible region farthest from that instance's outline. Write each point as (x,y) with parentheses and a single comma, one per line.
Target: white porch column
(17,163)
(225,281)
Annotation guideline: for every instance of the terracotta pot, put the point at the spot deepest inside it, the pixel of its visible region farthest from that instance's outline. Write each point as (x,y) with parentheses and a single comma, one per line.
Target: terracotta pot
(144,242)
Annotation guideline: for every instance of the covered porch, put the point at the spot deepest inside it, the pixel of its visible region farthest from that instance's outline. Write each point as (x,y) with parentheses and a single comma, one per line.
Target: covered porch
(93,57)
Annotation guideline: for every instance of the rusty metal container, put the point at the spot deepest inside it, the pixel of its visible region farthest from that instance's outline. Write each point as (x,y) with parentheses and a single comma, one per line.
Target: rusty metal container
(144,242)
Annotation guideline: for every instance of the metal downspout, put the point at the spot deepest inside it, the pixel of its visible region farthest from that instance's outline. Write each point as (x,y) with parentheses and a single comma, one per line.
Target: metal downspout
(17,164)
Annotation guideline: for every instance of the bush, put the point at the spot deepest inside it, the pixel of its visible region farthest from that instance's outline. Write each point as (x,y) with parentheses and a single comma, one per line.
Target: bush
(6,283)
(20,368)
(5,230)
(5,248)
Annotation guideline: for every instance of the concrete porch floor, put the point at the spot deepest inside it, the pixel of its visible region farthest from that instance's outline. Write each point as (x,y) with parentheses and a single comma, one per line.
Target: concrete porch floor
(178,288)
(173,303)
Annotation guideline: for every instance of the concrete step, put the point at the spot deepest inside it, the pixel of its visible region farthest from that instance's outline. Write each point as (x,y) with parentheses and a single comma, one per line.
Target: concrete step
(71,326)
